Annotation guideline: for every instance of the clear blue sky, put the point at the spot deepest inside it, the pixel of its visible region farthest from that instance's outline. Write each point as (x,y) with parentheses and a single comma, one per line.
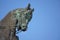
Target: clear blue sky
(45,24)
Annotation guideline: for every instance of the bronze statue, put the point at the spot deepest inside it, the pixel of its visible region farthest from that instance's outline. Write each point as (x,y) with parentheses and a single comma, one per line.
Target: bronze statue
(18,18)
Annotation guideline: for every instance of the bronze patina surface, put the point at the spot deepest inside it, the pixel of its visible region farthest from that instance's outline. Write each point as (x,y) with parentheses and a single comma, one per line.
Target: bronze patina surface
(17,18)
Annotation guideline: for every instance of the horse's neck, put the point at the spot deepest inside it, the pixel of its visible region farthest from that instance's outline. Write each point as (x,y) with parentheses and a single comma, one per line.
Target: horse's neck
(7,21)
(6,17)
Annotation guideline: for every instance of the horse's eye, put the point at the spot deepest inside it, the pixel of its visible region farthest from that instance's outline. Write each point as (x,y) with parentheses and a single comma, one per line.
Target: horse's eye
(27,15)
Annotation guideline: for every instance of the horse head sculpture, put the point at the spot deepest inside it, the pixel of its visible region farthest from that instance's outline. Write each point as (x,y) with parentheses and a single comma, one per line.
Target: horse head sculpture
(23,16)
(18,18)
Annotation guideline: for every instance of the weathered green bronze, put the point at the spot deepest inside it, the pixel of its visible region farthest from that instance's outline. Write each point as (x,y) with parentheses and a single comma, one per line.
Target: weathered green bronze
(15,19)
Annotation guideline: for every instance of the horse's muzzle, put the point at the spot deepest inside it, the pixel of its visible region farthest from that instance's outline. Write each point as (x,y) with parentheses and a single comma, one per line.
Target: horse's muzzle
(24,28)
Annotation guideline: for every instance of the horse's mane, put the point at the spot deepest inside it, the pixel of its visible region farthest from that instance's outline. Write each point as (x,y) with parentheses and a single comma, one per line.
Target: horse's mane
(7,18)
(7,21)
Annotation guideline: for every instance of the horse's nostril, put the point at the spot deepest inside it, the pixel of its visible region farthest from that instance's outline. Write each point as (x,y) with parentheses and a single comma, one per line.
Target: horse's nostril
(24,28)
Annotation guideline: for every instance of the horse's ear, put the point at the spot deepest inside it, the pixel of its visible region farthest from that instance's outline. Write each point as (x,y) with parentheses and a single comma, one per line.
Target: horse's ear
(32,10)
(28,7)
